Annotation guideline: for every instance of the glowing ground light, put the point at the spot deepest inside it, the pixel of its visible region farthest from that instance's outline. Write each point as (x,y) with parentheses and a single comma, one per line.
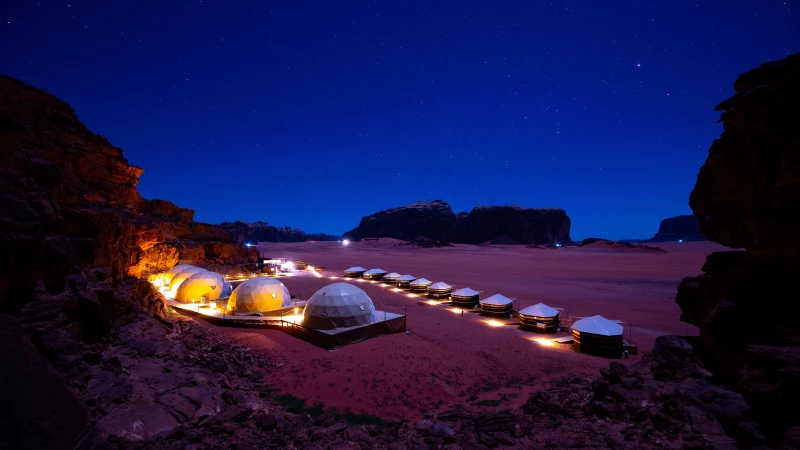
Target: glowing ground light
(332,277)
(494,323)
(544,342)
(411,295)
(432,302)
(457,310)
(396,290)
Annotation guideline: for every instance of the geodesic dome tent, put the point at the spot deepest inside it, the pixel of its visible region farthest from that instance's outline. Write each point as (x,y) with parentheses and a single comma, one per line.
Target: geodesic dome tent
(497,304)
(208,285)
(182,276)
(338,305)
(540,317)
(597,335)
(259,294)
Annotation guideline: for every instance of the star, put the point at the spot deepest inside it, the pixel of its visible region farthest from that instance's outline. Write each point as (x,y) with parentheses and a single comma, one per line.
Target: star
(638,65)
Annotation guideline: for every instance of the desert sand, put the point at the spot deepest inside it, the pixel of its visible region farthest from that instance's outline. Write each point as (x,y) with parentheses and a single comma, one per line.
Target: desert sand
(447,358)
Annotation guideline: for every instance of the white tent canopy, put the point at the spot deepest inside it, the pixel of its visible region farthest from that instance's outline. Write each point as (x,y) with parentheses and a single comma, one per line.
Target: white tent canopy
(391,276)
(374,271)
(539,310)
(497,299)
(465,292)
(259,294)
(598,325)
(355,270)
(421,282)
(440,285)
(338,305)
(406,278)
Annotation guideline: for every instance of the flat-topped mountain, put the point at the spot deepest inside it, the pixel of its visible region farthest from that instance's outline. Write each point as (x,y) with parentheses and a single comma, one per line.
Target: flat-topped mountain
(243,232)
(437,220)
(678,228)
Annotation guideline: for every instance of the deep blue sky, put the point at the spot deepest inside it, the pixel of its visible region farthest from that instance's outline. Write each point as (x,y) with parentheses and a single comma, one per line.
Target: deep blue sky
(315,113)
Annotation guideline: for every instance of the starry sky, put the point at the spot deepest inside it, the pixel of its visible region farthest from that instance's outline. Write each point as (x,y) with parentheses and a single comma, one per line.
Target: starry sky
(313,114)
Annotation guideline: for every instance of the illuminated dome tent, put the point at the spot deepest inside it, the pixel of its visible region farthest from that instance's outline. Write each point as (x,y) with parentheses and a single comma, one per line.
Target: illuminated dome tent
(338,305)
(540,317)
(202,285)
(497,304)
(354,272)
(439,290)
(464,297)
(165,278)
(390,278)
(598,336)
(404,282)
(259,294)
(420,285)
(374,274)
(182,276)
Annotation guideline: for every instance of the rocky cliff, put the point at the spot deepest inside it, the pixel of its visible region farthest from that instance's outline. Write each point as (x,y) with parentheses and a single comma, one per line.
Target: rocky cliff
(437,220)
(748,196)
(253,232)
(678,228)
(68,199)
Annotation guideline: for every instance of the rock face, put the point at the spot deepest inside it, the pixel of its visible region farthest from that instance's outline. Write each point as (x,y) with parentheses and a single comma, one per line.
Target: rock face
(243,232)
(748,196)
(68,198)
(678,228)
(436,220)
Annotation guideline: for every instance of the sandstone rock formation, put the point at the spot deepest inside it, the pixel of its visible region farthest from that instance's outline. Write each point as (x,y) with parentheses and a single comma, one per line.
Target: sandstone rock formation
(678,228)
(436,220)
(748,196)
(68,198)
(607,244)
(253,232)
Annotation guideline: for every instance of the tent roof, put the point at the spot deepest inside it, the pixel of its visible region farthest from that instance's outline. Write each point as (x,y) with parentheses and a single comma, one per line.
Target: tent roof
(539,310)
(392,275)
(338,305)
(598,325)
(356,269)
(406,278)
(440,285)
(177,269)
(421,281)
(497,299)
(374,271)
(465,292)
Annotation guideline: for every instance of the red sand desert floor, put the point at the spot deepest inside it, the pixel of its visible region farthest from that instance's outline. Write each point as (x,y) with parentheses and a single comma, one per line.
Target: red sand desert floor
(447,358)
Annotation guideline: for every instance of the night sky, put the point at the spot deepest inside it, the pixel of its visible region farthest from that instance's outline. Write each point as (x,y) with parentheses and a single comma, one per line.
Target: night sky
(315,113)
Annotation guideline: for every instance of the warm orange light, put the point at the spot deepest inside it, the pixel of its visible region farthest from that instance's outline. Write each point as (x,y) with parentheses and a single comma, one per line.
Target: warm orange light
(544,342)
(411,295)
(432,302)
(397,290)
(457,310)
(494,323)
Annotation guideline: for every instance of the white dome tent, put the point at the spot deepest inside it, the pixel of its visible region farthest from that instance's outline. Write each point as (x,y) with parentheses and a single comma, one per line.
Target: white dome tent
(465,298)
(374,274)
(540,317)
(390,278)
(598,335)
(497,304)
(259,294)
(201,286)
(420,285)
(439,290)
(354,272)
(338,305)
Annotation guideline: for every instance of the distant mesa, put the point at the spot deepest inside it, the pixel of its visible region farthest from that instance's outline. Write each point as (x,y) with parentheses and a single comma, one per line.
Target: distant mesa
(244,232)
(680,228)
(619,246)
(484,224)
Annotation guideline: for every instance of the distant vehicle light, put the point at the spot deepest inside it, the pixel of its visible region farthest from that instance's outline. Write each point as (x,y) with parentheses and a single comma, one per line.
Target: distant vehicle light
(680,240)
(346,242)
(558,245)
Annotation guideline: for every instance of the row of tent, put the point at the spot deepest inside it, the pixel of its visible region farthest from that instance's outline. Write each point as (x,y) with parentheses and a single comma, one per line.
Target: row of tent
(338,305)
(595,334)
